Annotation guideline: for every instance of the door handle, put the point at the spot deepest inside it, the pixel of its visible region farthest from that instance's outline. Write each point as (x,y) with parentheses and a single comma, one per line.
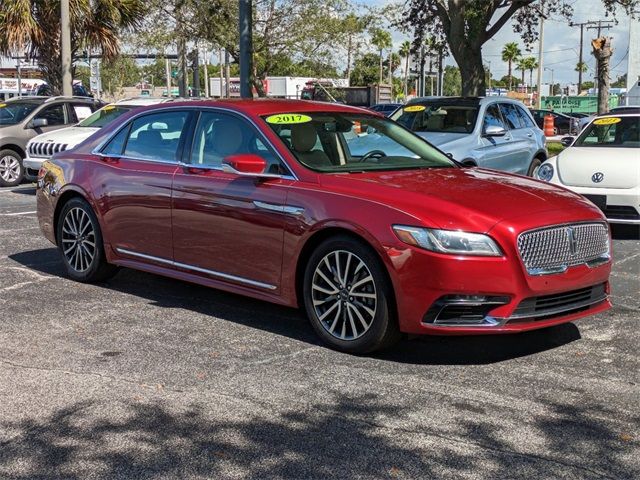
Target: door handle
(529,134)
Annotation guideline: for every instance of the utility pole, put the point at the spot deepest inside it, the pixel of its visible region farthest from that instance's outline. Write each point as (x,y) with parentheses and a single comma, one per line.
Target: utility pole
(206,72)
(592,24)
(65,34)
(422,62)
(540,66)
(246,46)
(196,72)
(167,69)
(227,75)
(599,25)
(441,71)
(221,65)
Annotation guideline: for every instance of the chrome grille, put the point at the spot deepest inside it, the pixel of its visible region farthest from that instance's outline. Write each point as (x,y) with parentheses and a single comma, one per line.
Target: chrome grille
(45,149)
(554,249)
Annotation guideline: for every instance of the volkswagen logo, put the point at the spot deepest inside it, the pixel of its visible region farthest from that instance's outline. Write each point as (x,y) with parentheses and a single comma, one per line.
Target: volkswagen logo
(597,177)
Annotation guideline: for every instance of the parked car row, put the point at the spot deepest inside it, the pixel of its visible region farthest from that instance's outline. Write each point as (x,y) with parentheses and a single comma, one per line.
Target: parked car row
(352,216)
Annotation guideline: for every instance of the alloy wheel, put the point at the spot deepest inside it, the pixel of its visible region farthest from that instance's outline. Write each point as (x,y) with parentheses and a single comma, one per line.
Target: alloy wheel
(78,240)
(344,295)
(9,168)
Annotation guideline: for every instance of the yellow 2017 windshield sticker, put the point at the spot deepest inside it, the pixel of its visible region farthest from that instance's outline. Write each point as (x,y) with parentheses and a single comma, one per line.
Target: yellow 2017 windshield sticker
(607,121)
(2,105)
(414,108)
(109,107)
(287,118)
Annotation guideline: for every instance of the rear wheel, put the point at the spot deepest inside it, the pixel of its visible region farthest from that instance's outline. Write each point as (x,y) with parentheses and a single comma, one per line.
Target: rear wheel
(535,165)
(348,297)
(11,168)
(80,242)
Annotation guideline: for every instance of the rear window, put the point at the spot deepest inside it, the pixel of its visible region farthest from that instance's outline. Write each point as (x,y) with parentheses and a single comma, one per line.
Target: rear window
(449,117)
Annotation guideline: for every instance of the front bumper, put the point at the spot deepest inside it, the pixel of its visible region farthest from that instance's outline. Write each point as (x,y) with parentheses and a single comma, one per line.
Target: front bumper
(32,166)
(422,279)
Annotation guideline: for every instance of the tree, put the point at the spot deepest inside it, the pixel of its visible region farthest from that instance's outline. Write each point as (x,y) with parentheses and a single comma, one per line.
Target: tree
(530,63)
(405,51)
(581,67)
(32,28)
(602,51)
(620,82)
(521,65)
(352,27)
(365,70)
(510,53)
(381,39)
(468,25)
(452,82)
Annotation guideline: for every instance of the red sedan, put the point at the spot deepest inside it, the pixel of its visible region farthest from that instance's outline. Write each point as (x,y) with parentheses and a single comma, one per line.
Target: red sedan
(337,209)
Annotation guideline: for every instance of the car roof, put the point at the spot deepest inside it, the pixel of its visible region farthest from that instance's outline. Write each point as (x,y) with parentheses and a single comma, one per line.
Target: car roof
(266,106)
(143,101)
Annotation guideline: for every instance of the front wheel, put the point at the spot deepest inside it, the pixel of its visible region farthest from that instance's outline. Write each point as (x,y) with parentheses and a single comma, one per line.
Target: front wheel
(11,168)
(80,243)
(348,297)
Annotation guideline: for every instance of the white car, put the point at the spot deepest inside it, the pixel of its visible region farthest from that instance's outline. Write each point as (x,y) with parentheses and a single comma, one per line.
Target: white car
(603,164)
(43,146)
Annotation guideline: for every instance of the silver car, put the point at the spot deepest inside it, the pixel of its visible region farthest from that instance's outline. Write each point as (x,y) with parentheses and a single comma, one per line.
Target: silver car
(490,132)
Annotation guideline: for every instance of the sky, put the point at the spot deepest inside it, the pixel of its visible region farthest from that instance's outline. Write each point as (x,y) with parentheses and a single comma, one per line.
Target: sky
(561,44)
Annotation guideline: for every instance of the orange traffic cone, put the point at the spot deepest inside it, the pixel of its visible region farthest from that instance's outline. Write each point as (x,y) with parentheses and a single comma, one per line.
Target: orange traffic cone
(548,125)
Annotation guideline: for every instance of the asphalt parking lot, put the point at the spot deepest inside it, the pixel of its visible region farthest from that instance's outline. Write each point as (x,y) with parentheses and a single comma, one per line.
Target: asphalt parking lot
(147,377)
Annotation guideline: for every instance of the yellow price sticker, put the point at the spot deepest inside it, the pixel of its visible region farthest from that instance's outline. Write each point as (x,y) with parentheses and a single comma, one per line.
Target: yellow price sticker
(2,105)
(287,119)
(607,121)
(414,108)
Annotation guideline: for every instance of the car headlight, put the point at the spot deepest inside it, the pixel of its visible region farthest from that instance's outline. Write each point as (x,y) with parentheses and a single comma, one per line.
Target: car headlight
(545,172)
(448,241)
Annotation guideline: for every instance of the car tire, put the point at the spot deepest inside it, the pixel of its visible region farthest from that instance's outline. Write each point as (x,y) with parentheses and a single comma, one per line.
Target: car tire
(535,164)
(348,297)
(80,243)
(11,168)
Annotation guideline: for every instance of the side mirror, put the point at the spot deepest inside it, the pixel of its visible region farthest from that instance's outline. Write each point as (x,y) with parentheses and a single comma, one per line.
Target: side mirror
(39,123)
(566,141)
(247,164)
(494,131)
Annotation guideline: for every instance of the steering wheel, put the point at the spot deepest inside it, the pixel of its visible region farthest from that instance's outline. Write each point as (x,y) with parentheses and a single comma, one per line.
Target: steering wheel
(372,154)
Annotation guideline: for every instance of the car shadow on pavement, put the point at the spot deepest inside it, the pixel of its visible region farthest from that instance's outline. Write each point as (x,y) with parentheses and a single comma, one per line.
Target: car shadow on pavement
(341,436)
(289,322)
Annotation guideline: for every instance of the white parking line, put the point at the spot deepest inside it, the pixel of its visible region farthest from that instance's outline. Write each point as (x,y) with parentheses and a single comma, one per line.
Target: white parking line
(18,213)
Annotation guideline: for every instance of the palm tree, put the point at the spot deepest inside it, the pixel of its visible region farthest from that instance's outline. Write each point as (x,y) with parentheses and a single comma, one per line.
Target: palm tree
(510,53)
(581,67)
(521,65)
(405,51)
(531,64)
(381,39)
(32,28)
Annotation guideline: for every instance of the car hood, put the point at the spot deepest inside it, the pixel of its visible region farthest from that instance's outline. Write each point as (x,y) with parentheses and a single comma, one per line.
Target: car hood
(70,136)
(441,139)
(471,199)
(620,167)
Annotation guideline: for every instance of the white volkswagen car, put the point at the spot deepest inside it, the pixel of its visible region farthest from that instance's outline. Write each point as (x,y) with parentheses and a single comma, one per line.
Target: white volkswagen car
(43,146)
(603,164)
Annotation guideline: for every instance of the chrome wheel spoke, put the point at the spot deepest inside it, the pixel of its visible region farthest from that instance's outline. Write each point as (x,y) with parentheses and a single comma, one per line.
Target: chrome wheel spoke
(344,296)
(78,240)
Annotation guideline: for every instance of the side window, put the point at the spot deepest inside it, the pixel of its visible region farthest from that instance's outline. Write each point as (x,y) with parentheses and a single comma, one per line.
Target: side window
(156,136)
(510,116)
(219,135)
(525,119)
(492,118)
(54,114)
(116,144)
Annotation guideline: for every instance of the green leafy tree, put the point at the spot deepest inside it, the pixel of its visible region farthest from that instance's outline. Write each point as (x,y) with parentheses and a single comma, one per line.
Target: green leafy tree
(365,70)
(530,64)
(510,53)
(452,81)
(32,28)
(468,25)
(521,65)
(405,52)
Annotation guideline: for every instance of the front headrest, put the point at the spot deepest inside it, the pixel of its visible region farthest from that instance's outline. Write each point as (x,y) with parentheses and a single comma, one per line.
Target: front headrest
(303,137)
(228,138)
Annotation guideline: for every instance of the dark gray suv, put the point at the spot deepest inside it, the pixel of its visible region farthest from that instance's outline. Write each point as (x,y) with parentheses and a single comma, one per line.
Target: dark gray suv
(22,118)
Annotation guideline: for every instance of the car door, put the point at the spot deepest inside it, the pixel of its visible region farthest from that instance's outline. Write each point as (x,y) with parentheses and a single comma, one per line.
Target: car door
(55,115)
(495,151)
(522,140)
(226,226)
(133,184)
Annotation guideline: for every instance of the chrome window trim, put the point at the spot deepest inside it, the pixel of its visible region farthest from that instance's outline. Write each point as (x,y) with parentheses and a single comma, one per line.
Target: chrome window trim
(263,138)
(266,176)
(185,266)
(593,263)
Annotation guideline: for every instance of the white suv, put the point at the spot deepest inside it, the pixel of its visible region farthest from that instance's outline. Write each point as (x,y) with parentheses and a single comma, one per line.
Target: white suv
(41,148)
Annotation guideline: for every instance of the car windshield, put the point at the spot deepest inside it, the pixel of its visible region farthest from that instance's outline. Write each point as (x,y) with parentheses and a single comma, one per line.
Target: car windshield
(104,116)
(439,116)
(623,131)
(12,113)
(353,142)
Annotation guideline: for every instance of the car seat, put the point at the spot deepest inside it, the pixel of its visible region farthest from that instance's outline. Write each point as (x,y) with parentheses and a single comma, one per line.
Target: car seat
(303,138)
